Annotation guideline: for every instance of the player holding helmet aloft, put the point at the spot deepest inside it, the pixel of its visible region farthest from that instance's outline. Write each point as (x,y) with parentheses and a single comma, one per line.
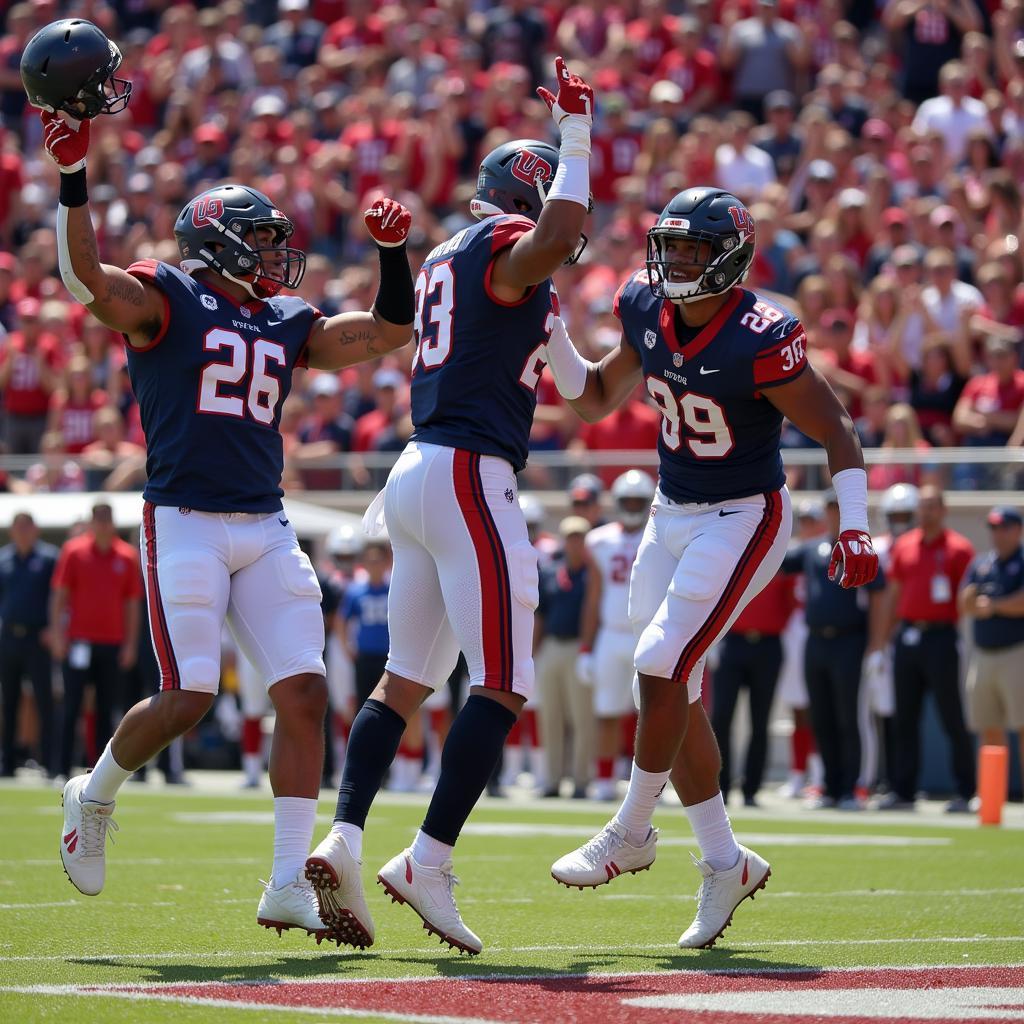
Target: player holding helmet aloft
(211,348)
(606,639)
(724,365)
(465,573)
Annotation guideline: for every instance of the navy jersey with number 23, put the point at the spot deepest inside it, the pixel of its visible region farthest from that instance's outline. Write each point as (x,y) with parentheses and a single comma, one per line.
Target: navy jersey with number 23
(478,358)
(719,434)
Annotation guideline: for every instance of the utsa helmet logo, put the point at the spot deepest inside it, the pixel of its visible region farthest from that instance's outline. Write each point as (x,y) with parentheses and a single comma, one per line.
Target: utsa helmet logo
(205,210)
(530,168)
(742,219)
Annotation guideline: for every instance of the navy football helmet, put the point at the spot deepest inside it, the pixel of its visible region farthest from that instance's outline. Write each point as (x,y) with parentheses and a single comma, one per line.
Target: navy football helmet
(211,233)
(722,232)
(515,178)
(69,65)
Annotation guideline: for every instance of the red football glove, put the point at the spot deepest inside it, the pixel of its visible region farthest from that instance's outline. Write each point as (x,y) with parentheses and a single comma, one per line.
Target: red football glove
(388,222)
(854,561)
(66,146)
(575,98)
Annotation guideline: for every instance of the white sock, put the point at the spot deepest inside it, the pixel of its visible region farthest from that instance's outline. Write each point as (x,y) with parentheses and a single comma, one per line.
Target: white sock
(641,799)
(430,852)
(353,836)
(106,779)
(713,832)
(294,820)
(252,766)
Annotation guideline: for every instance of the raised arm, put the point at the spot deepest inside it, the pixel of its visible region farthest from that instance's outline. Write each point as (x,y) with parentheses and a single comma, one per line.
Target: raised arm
(355,337)
(114,297)
(556,238)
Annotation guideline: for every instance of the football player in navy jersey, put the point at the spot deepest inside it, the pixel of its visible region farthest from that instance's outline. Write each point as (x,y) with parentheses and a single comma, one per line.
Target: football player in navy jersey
(211,348)
(465,574)
(724,365)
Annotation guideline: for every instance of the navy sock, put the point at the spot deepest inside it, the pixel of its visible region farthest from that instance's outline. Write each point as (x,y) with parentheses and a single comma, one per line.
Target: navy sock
(473,747)
(372,744)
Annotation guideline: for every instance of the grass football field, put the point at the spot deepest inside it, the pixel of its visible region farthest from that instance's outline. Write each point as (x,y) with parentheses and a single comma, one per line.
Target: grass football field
(857,911)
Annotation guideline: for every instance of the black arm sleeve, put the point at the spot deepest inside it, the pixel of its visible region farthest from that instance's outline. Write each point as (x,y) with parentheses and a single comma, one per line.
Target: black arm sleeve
(395,299)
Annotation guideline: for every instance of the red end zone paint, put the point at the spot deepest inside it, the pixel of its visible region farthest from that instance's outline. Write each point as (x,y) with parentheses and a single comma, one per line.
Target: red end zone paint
(946,995)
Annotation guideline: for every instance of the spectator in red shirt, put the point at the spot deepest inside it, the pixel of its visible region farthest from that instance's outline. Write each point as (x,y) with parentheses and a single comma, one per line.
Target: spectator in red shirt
(990,403)
(653,33)
(368,140)
(372,427)
(28,377)
(926,566)
(614,149)
(74,405)
(632,427)
(354,41)
(843,366)
(692,67)
(94,618)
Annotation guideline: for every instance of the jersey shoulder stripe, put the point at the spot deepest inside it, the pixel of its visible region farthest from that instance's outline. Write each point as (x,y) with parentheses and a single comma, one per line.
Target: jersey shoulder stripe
(632,291)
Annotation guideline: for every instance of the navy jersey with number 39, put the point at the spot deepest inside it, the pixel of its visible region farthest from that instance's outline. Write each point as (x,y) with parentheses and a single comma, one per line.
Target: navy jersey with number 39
(210,388)
(478,358)
(719,434)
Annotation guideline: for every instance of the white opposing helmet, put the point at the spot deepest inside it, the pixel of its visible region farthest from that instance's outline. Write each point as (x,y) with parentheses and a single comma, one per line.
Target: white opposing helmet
(633,484)
(345,541)
(533,510)
(899,499)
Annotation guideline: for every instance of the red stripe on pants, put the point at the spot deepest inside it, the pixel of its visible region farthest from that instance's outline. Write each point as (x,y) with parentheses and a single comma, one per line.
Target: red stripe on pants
(494,587)
(757,548)
(170,678)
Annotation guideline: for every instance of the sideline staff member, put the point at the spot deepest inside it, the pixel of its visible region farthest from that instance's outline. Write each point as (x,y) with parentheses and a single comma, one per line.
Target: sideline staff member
(925,570)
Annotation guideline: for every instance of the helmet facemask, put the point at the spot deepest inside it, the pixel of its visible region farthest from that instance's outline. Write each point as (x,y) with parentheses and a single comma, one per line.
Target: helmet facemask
(722,261)
(260,269)
(633,512)
(103,93)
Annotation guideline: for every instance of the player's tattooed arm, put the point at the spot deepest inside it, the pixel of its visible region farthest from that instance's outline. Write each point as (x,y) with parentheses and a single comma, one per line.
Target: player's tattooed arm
(122,302)
(349,338)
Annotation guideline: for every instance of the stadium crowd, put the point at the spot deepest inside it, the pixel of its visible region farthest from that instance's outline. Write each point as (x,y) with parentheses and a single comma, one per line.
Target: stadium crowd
(879,146)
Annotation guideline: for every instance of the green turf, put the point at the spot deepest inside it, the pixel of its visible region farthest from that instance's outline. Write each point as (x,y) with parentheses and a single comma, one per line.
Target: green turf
(181,894)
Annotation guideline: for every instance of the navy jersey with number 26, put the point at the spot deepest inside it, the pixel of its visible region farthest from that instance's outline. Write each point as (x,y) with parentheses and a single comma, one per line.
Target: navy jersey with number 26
(478,358)
(719,434)
(210,388)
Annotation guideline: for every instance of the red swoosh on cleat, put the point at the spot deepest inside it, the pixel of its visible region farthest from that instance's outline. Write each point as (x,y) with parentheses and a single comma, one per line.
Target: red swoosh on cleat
(71,840)
(408,870)
(743,879)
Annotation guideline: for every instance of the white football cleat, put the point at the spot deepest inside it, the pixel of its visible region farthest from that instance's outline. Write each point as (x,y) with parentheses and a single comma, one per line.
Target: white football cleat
(430,892)
(338,884)
(720,894)
(606,856)
(291,906)
(84,836)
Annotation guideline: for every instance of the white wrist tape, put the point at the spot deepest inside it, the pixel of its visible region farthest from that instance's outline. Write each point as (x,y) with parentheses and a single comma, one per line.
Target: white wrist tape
(851,487)
(67,271)
(574,131)
(572,180)
(568,368)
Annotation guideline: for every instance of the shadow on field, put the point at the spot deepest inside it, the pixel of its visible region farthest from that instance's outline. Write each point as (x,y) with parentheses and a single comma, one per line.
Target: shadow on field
(285,968)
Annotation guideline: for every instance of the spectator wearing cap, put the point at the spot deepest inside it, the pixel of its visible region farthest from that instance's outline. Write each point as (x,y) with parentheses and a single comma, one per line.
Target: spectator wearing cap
(750,658)
(296,36)
(632,427)
(932,31)
(926,567)
(741,167)
(26,573)
(842,626)
(210,161)
(954,114)
(994,598)
(842,365)
(566,705)
(764,53)
(812,196)
(585,498)
(29,364)
(94,619)
(692,67)
(326,432)
(778,138)
(854,236)
(946,298)
(386,427)
(893,234)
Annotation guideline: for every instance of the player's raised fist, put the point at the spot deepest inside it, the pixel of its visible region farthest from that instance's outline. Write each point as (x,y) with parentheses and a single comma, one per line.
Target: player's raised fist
(575,98)
(388,222)
(854,561)
(66,145)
